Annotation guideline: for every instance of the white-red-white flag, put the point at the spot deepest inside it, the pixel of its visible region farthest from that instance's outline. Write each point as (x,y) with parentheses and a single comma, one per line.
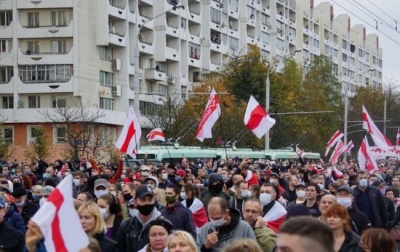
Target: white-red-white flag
(334,139)
(339,149)
(257,119)
(349,146)
(156,135)
(379,139)
(300,152)
(130,134)
(209,117)
(59,221)
(398,137)
(365,160)
(338,173)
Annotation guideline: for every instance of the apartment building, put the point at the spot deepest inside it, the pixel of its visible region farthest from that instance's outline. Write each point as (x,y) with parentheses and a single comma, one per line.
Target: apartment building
(57,53)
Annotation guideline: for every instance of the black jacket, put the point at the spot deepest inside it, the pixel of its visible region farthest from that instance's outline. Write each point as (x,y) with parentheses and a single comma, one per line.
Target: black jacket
(180,217)
(28,210)
(350,243)
(358,220)
(377,206)
(106,244)
(11,240)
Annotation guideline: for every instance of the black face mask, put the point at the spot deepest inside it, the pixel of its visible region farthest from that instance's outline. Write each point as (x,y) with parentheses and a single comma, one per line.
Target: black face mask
(127,197)
(16,185)
(215,189)
(146,209)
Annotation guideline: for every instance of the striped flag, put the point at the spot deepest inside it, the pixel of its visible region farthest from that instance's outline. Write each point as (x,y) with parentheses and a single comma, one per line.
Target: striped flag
(397,137)
(334,139)
(257,119)
(130,134)
(209,117)
(379,139)
(365,157)
(349,146)
(156,135)
(59,221)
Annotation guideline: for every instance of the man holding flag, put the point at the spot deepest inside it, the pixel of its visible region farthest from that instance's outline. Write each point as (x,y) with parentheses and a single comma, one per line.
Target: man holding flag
(10,238)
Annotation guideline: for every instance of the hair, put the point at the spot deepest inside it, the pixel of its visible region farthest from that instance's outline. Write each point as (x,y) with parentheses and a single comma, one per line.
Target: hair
(193,189)
(237,184)
(114,204)
(94,245)
(131,186)
(389,189)
(36,187)
(78,173)
(378,240)
(315,235)
(362,172)
(340,211)
(315,186)
(160,170)
(256,188)
(115,187)
(335,185)
(244,245)
(218,201)
(176,188)
(255,201)
(94,210)
(185,237)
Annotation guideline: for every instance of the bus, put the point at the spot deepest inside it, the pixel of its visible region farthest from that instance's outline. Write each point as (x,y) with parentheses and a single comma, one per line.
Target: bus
(280,155)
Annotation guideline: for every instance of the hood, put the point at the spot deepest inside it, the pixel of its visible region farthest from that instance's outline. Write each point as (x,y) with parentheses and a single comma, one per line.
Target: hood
(235,218)
(154,215)
(213,177)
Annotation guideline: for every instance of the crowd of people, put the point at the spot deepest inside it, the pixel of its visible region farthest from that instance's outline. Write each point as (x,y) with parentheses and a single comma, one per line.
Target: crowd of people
(209,205)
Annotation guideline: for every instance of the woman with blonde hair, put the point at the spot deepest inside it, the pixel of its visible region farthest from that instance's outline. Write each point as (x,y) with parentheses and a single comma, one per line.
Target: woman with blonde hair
(244,245)
(181,241)
(93,224)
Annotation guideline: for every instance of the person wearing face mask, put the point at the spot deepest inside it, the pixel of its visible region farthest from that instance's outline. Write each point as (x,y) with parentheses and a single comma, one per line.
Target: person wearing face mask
(162,176)
(36,194)
(389,205)
(224,227)
(100,187)
(190,195)
(300,195)
(370,201)
(45,192)
(111,211)
(11,217)
(144,172)
(274,212)
(10,238)
(241,195)
(358,220)
(22,206)
(133,233)
(174,211)
(215,186)
(79,185)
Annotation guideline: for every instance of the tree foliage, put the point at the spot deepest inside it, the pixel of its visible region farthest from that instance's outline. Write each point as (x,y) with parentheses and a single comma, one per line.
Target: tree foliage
(40,147)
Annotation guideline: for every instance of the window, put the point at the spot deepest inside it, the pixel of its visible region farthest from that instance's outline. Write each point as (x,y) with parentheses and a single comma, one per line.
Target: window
(316,43)
(58,46)
(106,53)
(5,18)
(233,43)
(344,57)
(265,19)
(60,134)
(33,47)
(8,102)
(280,44)
(162,89)
(58,18)
(45,73)
(148,108)
(7,133)
(344,44)
(33,19)
(5,45)
(251,13)
(59,101)
(33,101)
(194,51)
(150,88)
(233,5)
(6,73)
(215,16)
(265,37)
(106,103)
(106,79)
(183,91)
(335,53)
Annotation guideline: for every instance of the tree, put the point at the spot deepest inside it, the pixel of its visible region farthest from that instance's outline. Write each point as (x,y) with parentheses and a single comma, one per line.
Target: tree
(84,134)
(6,137)
(40,147)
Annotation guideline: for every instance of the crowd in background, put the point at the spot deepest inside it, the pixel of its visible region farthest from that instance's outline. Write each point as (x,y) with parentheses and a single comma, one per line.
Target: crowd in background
(209,205)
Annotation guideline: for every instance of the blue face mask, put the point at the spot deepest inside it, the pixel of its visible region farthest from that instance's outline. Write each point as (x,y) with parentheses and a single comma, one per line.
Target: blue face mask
(178,178)
(36,198)
(363,182)
(13,171)
(46,175)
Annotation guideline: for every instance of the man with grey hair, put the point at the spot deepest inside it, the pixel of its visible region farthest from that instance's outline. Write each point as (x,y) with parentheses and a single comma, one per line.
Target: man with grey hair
(304,234)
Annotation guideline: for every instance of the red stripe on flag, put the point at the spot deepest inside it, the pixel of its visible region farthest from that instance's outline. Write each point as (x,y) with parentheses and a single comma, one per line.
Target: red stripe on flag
(57,199)
(365,119)
(256,116)
(131,132)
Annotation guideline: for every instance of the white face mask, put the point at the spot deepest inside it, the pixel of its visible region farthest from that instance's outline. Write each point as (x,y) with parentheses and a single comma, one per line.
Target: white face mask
(265,198)
(301,193)
(363,182)
(20,204)
(183,195)
(144,173)
(346,202)
(114,193)
(99,193)
(77,182)
(104,213)
(321,186)
(165,176)
(123,176)
(272,180)
(346,181)
(245,194)
(218,223)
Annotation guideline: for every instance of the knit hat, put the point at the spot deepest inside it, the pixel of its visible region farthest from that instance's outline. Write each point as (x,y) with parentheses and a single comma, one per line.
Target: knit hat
(162,222)
(297,210)
(18,192)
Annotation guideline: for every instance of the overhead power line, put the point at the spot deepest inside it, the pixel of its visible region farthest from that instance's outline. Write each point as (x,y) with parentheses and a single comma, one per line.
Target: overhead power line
(384,12)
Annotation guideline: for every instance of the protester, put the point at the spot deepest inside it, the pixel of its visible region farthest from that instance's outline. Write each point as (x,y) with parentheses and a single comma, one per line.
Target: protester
(158,235)
(311,202)
(325,202)
(290,193)
(22,206)
(190,196)
(11,217)
(274,211)
(215,185)
(181,241)
(244,245)
(11,239)
(111,212)
(377,240)
(241,194)
(84,197)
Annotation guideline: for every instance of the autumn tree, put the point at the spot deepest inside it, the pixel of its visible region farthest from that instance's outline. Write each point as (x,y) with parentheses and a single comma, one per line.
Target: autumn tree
(40,147)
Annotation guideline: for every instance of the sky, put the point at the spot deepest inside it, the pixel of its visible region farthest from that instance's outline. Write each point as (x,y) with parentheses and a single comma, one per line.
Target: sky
(387,11)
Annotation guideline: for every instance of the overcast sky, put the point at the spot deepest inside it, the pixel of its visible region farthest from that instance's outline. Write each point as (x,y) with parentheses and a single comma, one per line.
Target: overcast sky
(391,12)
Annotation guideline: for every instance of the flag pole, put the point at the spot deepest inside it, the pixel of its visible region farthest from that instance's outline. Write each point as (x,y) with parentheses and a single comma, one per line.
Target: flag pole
(222,133)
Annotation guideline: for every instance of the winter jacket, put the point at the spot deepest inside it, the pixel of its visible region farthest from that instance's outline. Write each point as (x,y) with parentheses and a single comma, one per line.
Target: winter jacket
(15,219)
(236,229)
(180,217)
(358,220)
(266,238)
(28,210)
(106,244)
(133,234)
(148,249)
(11,240)
(377,206)
(350,243)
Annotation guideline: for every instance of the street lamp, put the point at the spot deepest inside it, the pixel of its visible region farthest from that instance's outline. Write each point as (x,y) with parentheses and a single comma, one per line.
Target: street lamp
(136,83)
(346,105)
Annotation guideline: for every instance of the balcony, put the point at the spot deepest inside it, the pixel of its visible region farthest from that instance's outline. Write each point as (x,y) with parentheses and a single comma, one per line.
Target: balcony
(215,67)
(7,88)
(117,39)
(215,47)
(46,31)
(172,54)
(194,61)
(146,47)
(172,31)
(155,75)
(45,58)
(45,4)
(7,58)
(117,9)
(43,87)
(250,40)
(148,2)
(215,25)
(195,17)
(251,21)
(6,4)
